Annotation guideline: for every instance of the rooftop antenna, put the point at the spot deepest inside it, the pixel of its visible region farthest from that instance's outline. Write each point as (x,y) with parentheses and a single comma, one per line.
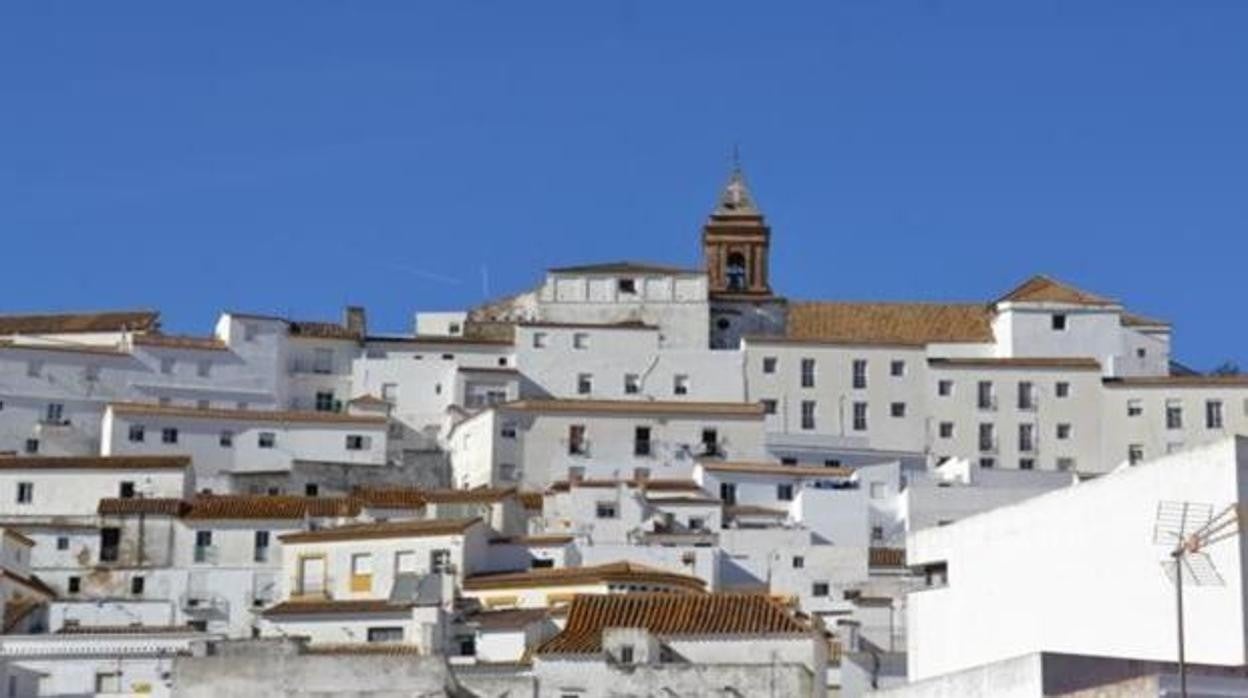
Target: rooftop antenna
(1187,528)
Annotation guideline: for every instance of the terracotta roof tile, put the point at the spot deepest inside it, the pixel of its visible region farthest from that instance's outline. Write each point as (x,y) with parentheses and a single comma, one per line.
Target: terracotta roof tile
(1046,289)
(619,572)
(180,342)
(125,630)
(66,323)
(212,507)
(670,615)
(379,530)
(904,324)
(753,510)
(391,497)
(92,349)
(1197,381)
(330,606)
(1134,320)
(284,416)
(482,495)
(1070,363)
(321,330)
(159,506)
(94,462)
(555,406)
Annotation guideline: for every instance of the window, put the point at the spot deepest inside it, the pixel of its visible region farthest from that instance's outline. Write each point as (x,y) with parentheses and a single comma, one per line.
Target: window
(204,368)
(697,523)
(311,489)
(62,542)
(361,572)
(860,416)
(626,285)
(110,544)
(859,374)
(502,361)
(584,383)
(203,546)
(877,534)
(799,562)
(1063,431)
(1135,453)
(769,364)
(576,440)
(580,340)
(944,388)
(606,510)
(1213,414)
(261,550)
(73,585)
(1061,389)
(734,272)
(249,333)
(266,439)
(169,435)
(440,561)
(987,437)
(819,589)
(986,399)
(34,368)
(641,441)
(808,414)
(55,413)
(626,654)
(226,439)
(136,585)
(126,490)
(1174,414)
(1141,352)
(1026,395)
(324,401)
(136,433)
(784,492)
(897,368)
(1059,322)
(539,340)
(25,492)
(769,406)
(680,384)
(632,384)
(322,360)
(897,409)
(710,443)
(405,562)
(728,493)
(1065,464)
(946,430)
(385,634)
(987,462)
(508,430)
(358,442)
(1026,437)
(1135,407)
(108,682)
(31,446)
(166,365)
(808,373)
(1026,463)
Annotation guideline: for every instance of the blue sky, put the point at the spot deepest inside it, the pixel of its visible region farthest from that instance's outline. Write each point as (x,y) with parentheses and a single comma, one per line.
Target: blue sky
(294,157)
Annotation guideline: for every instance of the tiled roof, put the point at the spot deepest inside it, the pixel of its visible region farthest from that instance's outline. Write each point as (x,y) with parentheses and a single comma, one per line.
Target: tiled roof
(682,501)
(370,400)
(180,342)
(514,618)
(92,349)
(1071,363)
(66,323)
(570,406)
(480,495)
(1046,289)
(774,469)
(391,497)
(159,506)
(329,606)
(904,324)
(620,572)
(670,615)
(1134,320)
(537,540)
(650,484)
(1196,381)
(753,510)
(624,267)
(321,330)
(125,630)
(388,529)
(887,557)
(532,501)
(212,507)
(284,416)
(94,462)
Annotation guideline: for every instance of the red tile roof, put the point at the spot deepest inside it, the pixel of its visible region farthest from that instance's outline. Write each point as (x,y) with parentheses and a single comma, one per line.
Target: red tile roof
(1059,362)
(670,615)
(1046,289)
(180,342)
(159,506)
(213,507)
(900,324)
(379,530)
(614,572)
(68,323)
(94,462)
(330,606)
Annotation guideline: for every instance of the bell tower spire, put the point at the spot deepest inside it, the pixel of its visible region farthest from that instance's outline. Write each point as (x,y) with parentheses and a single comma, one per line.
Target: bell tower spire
(736,240)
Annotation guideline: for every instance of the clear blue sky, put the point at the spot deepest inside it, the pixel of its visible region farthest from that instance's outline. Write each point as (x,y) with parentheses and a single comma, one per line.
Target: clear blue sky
(293,157)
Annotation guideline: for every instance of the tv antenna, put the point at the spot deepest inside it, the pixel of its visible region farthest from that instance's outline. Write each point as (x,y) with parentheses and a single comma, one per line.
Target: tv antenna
(1188,528)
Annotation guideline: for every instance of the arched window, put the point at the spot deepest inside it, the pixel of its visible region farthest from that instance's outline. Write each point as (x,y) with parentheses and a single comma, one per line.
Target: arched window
(734,272)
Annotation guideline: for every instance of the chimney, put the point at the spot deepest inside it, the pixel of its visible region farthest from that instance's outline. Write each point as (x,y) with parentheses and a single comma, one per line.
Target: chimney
(354,320)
